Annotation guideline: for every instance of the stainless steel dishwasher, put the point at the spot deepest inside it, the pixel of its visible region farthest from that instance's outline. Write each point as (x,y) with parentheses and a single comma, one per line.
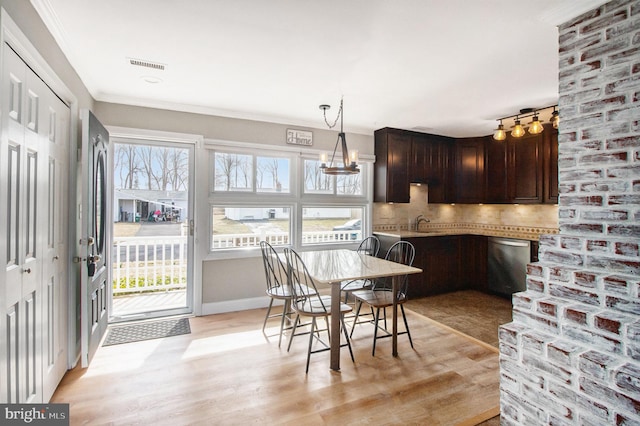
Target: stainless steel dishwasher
(507,267)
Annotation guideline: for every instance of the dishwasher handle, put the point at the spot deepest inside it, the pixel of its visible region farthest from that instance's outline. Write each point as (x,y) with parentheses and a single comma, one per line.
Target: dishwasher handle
(510,243)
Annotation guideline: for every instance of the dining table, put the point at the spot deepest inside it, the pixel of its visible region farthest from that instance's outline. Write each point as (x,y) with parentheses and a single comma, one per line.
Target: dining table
(333,267)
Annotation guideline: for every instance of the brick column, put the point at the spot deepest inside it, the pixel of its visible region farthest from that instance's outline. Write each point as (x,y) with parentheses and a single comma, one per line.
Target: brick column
(571,356)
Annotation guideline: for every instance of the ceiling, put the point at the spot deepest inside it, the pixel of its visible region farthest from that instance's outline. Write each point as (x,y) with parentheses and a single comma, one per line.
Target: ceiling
(447,67)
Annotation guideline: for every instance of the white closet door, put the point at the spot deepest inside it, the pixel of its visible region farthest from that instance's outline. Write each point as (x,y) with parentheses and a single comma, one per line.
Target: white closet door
(55,136)
(32,312)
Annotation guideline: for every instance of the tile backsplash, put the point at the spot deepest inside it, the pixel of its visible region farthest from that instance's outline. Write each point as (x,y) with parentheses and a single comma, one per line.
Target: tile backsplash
(522,215)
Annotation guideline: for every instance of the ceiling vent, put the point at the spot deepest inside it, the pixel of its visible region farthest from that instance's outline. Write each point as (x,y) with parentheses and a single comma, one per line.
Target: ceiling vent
(146,64)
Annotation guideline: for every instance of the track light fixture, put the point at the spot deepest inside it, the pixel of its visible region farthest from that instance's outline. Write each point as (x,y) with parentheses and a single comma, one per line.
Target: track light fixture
(555,118)
(500,134)
(518,130)
(534,127)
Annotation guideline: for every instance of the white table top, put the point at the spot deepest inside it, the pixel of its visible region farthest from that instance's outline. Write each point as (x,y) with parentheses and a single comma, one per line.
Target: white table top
(334,266)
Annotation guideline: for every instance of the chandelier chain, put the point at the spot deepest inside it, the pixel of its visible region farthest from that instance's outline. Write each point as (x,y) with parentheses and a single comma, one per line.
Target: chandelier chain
(324,111)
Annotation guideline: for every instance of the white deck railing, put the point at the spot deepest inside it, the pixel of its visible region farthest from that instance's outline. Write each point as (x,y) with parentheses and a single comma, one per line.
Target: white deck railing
(143,264)
(146,264)
(253,240)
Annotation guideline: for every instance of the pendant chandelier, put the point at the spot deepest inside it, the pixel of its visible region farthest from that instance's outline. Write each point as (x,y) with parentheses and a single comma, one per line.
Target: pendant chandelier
(349,159)
(535,126)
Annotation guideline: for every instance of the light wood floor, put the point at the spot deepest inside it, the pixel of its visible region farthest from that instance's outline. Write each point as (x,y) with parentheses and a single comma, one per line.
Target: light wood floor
(227,372)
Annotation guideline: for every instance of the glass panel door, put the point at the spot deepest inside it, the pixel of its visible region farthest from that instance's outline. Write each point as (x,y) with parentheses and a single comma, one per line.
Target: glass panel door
(151,268)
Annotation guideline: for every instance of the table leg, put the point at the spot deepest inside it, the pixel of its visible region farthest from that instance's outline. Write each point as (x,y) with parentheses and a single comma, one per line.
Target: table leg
(394,337)
(335,326)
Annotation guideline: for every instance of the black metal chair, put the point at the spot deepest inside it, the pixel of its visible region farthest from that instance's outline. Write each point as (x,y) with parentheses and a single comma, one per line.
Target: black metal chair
(371,247)
(380,296)
(277,286)
(307,302)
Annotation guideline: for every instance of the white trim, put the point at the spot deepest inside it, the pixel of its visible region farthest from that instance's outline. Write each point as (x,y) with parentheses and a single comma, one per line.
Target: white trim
(252,147)
(237,305)
(13,35)
(126,135)
(155,135)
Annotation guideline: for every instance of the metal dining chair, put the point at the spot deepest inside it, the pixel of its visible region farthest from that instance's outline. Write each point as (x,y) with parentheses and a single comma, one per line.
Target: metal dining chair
(307,302)
(380,296)
(371,247)
(277,286)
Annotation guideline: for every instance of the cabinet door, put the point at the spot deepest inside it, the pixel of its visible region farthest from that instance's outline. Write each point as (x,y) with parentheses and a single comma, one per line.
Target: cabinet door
(473,265)
(496,171)
(440,261)
(550,165)
(393,154)
(525,157)
(441,176)
(420,159)
(469,170)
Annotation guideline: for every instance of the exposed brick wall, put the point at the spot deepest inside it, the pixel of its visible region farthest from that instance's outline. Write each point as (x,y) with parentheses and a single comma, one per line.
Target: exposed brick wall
(571,356)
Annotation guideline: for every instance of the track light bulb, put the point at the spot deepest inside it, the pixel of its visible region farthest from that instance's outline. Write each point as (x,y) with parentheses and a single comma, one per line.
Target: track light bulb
(500,134)
(535,127)
(518,130)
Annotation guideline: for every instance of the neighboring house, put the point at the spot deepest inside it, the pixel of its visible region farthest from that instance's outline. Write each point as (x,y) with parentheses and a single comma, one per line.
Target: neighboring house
(133,205)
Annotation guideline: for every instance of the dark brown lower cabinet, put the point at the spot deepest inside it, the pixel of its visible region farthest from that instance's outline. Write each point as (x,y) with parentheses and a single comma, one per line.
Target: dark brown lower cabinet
(449,263)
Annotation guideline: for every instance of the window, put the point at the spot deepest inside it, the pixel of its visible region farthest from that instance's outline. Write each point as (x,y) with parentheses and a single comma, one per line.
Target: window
(256,197)
(316,182)
(272,174)
(331,224)
(246,226)
(235,172)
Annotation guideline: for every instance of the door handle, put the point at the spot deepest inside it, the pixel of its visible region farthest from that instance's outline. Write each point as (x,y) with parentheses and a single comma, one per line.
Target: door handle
(26,270)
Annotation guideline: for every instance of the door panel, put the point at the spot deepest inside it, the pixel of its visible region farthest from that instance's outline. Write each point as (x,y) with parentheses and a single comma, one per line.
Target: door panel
(32,217)
(96,236)
(55,134)
(21,285)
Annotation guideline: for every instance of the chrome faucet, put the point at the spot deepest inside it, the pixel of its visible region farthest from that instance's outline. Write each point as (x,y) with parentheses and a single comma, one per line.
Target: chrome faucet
(419,220)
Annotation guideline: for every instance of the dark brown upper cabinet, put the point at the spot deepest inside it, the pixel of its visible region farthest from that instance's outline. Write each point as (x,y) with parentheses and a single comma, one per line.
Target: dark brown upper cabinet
(391,170)
(497,165)
(431,165)
(469,169)
(525,169)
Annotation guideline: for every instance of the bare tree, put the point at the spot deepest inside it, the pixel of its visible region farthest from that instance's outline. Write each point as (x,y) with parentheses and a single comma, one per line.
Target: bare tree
(126,165)
(146,156)
(178,169)
(315,180)
(225,165)
(272,168)
(161,167)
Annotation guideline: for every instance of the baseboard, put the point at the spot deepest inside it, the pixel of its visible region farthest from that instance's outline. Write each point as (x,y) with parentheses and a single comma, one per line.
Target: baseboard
(237,305)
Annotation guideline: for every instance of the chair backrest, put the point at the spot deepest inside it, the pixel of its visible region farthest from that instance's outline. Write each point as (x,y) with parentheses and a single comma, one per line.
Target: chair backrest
(401,252)
(370,246)
(303,287)
(275,271)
